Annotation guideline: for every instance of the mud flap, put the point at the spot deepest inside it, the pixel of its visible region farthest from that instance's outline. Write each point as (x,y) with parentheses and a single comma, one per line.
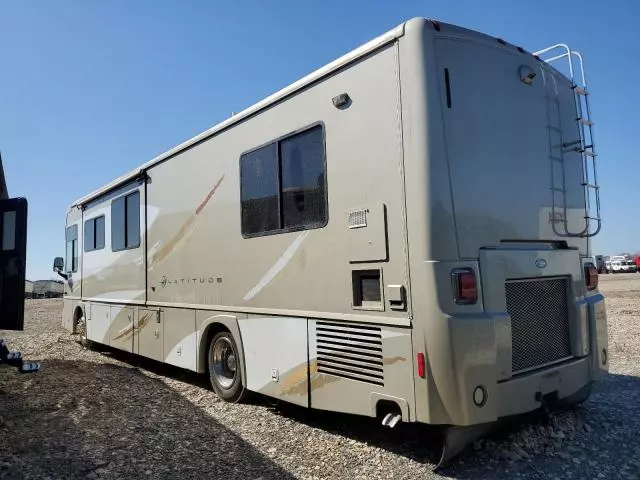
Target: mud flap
(456,439)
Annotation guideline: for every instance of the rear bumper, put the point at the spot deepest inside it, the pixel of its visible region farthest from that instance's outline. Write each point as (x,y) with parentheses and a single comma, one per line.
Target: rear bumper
(479,348)
(518,395)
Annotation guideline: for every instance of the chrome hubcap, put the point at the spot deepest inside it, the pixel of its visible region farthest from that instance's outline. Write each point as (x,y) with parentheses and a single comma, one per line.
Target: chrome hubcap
(224,363)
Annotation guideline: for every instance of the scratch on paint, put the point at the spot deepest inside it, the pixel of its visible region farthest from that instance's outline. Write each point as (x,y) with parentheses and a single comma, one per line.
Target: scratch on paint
(277,267)
(165,250)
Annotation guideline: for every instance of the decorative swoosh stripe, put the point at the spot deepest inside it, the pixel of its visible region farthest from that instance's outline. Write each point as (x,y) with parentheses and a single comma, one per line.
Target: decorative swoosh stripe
(185,230)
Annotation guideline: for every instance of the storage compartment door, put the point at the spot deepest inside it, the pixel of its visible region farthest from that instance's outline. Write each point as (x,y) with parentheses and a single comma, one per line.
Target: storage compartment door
(148,334)
(121,329)
(276,359)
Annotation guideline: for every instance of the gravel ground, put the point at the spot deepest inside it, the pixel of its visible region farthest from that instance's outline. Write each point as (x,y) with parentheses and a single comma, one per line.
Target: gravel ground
(105,414)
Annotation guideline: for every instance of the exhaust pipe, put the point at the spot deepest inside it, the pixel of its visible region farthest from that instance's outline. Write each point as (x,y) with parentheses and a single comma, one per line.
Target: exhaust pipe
(391,419)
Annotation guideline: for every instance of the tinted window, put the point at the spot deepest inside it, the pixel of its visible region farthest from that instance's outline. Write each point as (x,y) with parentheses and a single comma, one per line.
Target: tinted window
(89,235)
(118,224)
(283,184)
(259,190)
(99,227)
(72,249)
(125,222)
(303,197)
(133,220)
(94,234)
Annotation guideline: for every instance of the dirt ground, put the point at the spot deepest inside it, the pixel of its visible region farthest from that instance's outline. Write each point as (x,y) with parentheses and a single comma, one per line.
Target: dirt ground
(106,414)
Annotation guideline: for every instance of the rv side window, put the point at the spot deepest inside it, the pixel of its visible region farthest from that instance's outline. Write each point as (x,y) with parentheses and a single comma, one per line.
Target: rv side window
(125,222)
(72,249)
(303,190)
(94,234)
(259,191)
(283,185)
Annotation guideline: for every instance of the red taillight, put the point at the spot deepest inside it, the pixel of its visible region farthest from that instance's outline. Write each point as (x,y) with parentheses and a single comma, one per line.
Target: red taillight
(465,289)
(421,365)
(591,277)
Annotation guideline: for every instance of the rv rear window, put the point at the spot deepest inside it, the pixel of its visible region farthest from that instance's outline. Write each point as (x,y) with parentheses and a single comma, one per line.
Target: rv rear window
(125,222)
(94,234)
(283,186)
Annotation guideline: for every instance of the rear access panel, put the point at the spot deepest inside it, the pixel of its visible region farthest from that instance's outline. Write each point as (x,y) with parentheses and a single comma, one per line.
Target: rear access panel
(276,357)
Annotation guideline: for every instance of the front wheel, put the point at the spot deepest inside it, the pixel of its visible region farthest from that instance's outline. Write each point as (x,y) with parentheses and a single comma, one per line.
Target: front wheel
(225,368)
(81,330)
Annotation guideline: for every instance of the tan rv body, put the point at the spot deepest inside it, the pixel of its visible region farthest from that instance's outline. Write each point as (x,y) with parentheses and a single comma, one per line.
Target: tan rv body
(423,175)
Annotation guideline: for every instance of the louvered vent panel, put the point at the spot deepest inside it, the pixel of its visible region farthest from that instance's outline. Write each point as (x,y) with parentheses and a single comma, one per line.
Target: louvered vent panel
(358,219)
(352,352)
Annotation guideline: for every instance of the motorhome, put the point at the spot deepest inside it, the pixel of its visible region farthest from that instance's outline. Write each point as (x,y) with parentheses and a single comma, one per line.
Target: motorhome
(402,234)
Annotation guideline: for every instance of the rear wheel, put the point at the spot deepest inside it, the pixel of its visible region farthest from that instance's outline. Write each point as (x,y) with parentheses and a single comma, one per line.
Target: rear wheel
(225,368)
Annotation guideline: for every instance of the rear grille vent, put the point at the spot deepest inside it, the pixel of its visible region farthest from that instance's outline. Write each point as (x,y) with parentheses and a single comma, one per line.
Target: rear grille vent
(539,322)
(352,352)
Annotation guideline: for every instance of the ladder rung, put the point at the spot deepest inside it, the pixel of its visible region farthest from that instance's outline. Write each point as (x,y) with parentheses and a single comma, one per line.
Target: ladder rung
(562,190)
(593,218)
(580,91)
(588,153)
(571,144)
(555,129)
(585,121)
(591,185)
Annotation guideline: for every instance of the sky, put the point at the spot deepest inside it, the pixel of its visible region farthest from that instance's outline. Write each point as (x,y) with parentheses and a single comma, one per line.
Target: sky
(90,90)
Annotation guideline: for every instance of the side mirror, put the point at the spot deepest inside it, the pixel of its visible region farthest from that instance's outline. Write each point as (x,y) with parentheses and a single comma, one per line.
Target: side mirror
(58,264)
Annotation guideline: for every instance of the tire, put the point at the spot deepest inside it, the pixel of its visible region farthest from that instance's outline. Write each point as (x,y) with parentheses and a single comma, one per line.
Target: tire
(81,330)
(225,368)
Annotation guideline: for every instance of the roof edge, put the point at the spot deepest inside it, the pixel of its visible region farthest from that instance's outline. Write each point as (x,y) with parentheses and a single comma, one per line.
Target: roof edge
(294,87)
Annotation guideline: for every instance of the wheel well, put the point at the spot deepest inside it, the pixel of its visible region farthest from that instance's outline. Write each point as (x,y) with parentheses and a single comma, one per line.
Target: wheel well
(77,314)
(209,333)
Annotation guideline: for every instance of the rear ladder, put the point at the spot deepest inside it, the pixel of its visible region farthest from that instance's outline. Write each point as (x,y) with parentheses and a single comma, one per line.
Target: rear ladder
(585,146)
